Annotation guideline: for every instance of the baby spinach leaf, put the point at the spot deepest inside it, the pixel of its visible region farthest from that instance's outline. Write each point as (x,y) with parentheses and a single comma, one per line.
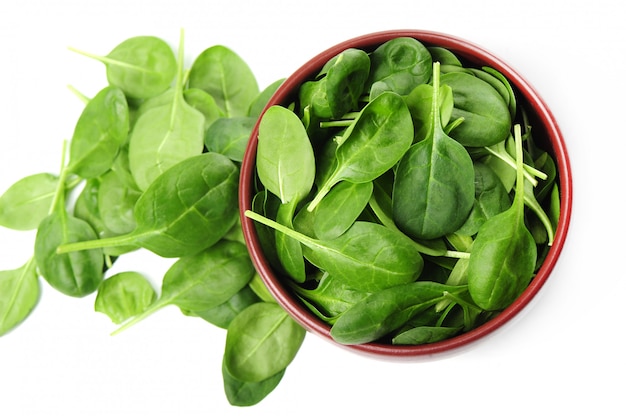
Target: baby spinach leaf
(434,187)
(486,117)
(289,251)
(124,295)
(285,160)
(142,66)
(205,104)
(259,288)
(185,210)
(387,310)
(99,133)
(227,78)
(246,393)
(379,137)
(367,257)
(340,208)
(425,335)
(504,253)
(203,280)
(261,342)
(330,298)
(19,294)
(399,65)
(491,198)
(87,209)
(209,278)
(223,314)
(116,203)
(229,136)
(512,100)
(258,104)
(444,56)
(165,135)
(25,203)
(419,101)
(267,204)
(74,274)
(339,85)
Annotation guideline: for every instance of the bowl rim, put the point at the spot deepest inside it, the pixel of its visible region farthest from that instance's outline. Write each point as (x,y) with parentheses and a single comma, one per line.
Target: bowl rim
(472,52)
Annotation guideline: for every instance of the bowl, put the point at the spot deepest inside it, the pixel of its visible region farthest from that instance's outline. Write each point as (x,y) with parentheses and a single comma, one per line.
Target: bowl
(545,129)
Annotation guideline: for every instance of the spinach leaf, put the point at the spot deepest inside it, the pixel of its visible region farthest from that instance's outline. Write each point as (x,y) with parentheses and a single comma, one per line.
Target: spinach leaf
(229,136)
(165,135)
(399,65)
(227,78)
(339,85)
(485,114)
(74,274)
(419,101)
(185,210)
(142,66)
(434,188)
(124,295)
(425,335)
(259,288)
(258,104)
(87,209)
(25,203)
(340,208)
(504,253)
(491,198)
(379,137)
(512,100)
(19,294)
(205,104)
(209,278)
(444,56)
(367,257)
(223,314)
(387,310)
(330,298)
(101,130)
(248,393)
(261,342)
(116,202)
(289,251)
(285,161)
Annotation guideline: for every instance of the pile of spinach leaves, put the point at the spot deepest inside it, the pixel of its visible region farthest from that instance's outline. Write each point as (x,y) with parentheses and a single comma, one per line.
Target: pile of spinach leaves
(402,196)
(395,198)
(153,163)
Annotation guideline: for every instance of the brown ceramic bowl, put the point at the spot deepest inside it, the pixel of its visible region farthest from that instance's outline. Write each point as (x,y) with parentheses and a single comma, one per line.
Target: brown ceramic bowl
(545,129)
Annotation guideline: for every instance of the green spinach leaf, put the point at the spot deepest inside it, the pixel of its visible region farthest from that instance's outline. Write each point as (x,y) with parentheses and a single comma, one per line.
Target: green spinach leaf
(27,201)
(124,295)
(285,161)
(142,66)
(261,342)
(99,134)
(434,188)
(227,78)
(185,210)
(19,294)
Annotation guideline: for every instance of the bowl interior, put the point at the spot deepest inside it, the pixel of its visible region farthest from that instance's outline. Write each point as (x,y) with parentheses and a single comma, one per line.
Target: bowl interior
(545,130)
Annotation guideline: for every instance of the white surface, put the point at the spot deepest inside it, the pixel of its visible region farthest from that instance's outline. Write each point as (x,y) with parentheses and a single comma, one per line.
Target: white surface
(565,354)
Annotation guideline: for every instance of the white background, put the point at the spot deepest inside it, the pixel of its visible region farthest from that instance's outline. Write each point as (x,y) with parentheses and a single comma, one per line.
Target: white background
(565,354)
